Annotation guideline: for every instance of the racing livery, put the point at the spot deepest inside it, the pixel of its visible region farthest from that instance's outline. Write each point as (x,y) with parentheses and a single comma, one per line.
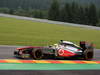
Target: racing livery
(64,49)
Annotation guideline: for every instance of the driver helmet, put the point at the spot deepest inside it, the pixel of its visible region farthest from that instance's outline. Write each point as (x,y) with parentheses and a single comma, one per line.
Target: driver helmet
(55,44)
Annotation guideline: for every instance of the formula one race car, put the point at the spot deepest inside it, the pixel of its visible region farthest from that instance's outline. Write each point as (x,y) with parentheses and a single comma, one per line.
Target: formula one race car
(64,49)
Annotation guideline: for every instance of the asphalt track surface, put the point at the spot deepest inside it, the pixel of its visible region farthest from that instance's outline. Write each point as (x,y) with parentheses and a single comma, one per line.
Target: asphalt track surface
(6,52)
(45,72)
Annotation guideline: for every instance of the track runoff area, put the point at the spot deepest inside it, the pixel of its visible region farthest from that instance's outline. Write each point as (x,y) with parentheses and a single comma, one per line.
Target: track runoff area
(14,64)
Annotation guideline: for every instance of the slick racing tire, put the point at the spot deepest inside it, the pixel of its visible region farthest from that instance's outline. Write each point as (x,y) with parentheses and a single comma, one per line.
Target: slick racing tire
(37,54)
(88,50)
(88,55)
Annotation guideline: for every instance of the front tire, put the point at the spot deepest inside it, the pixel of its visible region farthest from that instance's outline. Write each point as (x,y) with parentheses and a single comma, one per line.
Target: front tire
(37,54)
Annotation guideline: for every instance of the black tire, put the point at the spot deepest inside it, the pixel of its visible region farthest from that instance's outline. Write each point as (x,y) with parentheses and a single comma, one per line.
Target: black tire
(88,55)
(88,52)
(37,54)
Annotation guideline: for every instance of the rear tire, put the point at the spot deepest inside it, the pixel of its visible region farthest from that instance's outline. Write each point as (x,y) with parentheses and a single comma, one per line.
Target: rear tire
(88,50)
(37,54)
(88,55)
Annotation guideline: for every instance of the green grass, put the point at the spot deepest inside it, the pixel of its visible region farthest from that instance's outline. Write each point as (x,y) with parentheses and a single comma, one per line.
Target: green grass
(23,32)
